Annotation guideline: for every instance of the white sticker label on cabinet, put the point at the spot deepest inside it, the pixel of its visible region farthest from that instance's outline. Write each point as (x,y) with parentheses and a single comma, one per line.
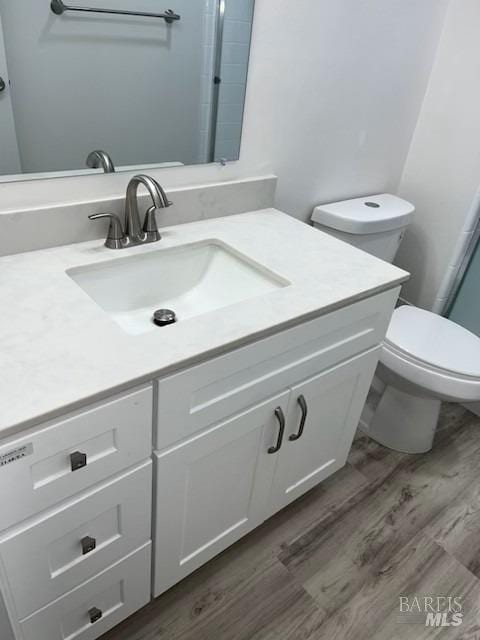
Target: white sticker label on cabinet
(14,455)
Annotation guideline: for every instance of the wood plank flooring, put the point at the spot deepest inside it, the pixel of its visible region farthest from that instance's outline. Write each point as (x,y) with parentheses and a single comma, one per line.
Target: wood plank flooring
(333,564)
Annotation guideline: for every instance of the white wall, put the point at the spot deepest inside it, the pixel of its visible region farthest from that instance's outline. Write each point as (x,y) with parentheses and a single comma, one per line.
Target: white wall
(81,82)
(345,81)
(333,96)
(442,173)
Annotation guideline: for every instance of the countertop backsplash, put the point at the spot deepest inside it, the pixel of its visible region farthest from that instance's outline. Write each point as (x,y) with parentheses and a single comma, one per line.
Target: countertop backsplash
(53,226)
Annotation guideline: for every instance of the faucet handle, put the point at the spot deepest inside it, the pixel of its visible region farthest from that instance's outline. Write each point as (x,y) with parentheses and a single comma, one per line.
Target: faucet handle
(116,238)
(150,227)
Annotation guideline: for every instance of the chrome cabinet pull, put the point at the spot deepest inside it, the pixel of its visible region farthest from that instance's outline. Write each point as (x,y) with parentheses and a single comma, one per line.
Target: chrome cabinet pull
(78,460)
(88,545)
(303,406)
(94,614)
(281,421)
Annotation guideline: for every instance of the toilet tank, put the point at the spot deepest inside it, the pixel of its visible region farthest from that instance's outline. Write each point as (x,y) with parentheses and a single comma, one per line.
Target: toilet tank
(375,224)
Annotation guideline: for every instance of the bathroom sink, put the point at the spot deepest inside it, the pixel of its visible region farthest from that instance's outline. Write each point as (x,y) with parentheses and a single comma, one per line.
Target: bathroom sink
(190,280)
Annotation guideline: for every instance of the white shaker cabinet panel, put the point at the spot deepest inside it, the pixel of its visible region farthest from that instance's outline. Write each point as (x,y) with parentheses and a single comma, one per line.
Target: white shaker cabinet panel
(214,489)
(323,415)
(200,396)
(97,605)
(64,457)
(68,545)
(6,629)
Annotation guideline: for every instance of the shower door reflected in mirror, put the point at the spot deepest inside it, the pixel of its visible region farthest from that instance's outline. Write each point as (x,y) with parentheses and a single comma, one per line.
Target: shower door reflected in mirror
(144,90)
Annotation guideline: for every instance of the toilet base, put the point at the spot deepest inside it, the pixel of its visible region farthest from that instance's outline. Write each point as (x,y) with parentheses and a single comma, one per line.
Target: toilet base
(405,422)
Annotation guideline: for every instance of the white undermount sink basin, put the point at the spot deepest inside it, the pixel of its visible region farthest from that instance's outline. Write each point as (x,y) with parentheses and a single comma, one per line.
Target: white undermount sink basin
(190,280)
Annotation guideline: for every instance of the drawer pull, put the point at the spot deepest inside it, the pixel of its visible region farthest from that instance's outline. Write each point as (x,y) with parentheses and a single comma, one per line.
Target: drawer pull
(95,614)
(78,460)
(303,406)
(88,545)
(281,421)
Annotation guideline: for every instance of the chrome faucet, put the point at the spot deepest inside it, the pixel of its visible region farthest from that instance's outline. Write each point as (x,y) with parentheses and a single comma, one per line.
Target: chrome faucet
(132,232)
(100,158)
(133,228)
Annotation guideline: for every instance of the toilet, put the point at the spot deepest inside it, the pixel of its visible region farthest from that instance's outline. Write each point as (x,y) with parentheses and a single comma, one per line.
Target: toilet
(425,359)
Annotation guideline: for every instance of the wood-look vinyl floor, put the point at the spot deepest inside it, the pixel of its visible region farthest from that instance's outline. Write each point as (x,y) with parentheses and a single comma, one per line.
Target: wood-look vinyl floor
(333,564)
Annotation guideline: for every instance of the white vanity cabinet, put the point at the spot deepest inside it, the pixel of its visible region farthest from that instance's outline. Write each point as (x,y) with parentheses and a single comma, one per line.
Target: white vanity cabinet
(236,438)
(75,523)
(242,435)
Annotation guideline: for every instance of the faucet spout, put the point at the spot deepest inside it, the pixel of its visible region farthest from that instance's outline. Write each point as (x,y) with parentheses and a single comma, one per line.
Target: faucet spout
(133,228)
(101,159)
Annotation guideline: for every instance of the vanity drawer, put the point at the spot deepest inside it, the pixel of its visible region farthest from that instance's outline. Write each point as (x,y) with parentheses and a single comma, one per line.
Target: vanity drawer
(58,460)
(200,396)
(68,545)
(97,605)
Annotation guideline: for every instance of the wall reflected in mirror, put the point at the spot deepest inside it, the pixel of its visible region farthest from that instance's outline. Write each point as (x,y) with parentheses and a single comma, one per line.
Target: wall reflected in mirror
(144,90)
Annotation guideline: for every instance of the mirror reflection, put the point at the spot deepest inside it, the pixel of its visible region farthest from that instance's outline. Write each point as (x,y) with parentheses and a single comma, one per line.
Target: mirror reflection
(92,86)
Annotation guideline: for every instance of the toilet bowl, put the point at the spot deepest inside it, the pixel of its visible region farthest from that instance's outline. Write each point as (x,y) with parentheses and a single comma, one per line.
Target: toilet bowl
(425,359)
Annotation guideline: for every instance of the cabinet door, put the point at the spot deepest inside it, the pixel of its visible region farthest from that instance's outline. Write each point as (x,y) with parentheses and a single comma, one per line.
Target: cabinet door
(323,414)
(213,489)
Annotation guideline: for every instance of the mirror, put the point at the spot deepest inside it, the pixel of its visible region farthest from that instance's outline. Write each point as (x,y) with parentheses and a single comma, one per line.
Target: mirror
(148,83)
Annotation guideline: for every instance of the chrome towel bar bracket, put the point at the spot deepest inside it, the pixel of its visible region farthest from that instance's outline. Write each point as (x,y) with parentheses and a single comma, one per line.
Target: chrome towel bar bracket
(58,7)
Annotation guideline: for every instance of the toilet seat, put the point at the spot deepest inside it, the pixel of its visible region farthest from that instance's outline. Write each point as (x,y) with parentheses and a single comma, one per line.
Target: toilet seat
(433,353)
(434,340)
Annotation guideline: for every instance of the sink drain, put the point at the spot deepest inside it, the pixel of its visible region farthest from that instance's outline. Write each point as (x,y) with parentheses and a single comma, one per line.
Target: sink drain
(164,317)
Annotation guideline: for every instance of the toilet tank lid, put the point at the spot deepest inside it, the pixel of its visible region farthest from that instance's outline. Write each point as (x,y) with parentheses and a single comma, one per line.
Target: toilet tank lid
(371,214)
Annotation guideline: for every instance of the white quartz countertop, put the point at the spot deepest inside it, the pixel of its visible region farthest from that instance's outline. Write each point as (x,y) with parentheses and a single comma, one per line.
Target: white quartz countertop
(60,350)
